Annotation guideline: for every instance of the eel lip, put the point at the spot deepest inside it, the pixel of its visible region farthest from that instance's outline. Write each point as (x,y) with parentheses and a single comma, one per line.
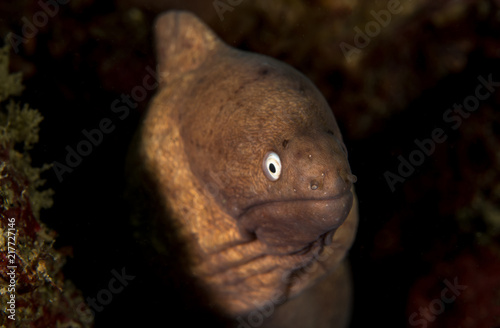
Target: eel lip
(288,226)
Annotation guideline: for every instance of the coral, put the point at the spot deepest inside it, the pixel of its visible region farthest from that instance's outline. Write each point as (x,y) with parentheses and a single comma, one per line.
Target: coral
(43,298)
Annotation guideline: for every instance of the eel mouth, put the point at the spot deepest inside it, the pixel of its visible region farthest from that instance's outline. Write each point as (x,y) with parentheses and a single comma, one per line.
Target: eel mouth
(293,226)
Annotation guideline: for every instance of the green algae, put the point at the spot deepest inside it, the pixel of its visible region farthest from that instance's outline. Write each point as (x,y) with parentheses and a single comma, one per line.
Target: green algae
(19,129)
(43,296)
(10,83)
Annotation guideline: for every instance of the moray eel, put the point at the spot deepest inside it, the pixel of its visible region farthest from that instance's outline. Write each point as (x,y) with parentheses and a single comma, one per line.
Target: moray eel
(249,166)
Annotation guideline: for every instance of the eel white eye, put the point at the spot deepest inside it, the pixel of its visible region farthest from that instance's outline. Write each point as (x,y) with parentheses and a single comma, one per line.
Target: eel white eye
(272,166)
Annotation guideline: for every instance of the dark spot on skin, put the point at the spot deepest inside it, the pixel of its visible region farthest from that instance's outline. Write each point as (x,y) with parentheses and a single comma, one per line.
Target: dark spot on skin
(264,71)
(285,143)
(302,88)
(331,132)
(195,143)
(239,89)
(344,149)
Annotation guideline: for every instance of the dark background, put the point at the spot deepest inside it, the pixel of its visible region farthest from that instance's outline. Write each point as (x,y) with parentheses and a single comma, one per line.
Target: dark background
(442,222)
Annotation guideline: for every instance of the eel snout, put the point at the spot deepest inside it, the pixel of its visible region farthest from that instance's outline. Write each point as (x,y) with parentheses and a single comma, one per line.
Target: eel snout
(315,198)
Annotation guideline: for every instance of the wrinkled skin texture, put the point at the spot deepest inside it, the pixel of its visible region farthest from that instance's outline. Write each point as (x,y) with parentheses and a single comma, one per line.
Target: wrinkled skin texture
(251,241)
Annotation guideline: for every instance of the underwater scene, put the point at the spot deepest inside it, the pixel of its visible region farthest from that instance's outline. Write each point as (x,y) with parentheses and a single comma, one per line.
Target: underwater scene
(237,163)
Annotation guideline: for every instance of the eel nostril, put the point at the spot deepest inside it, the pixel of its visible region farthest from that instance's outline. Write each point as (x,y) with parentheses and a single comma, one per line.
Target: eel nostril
(352,178)
(314,185)
(347,176)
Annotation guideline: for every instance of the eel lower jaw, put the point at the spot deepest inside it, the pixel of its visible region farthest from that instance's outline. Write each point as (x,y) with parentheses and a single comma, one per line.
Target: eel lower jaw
(293,226)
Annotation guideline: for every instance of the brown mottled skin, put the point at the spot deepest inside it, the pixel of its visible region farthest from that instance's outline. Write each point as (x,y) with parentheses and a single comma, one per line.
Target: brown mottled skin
(251,241)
